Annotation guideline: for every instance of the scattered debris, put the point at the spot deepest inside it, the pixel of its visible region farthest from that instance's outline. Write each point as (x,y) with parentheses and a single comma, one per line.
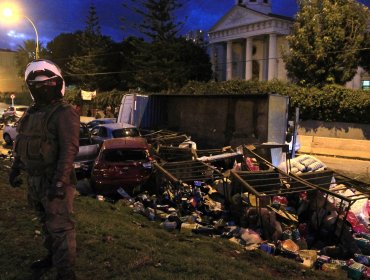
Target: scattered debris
(299,210)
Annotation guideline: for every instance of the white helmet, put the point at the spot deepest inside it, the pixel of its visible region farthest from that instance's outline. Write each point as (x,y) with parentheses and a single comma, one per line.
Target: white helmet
(43,72)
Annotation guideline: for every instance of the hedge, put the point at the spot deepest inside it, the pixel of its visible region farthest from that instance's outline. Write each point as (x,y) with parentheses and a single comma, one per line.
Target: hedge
(332,103)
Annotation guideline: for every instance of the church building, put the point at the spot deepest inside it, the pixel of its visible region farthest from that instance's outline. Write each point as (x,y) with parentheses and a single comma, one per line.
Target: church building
(248,41)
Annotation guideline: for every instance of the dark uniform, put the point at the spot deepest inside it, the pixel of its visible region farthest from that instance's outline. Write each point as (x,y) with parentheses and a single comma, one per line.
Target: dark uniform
(46,145)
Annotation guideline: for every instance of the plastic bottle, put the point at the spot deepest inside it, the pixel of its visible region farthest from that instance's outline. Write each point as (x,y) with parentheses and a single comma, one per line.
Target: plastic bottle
(363,259)
(168,225)
(321,260)
(269,248)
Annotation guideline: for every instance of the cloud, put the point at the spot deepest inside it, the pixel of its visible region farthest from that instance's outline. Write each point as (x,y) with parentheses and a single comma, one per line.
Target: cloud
(14,34)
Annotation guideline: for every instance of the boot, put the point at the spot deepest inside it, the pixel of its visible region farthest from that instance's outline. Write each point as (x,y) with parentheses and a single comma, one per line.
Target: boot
(66,275)
(41,266)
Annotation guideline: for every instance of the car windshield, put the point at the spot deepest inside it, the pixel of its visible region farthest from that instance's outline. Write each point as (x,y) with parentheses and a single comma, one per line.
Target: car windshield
(125,132)
(91,124)
(84,132)
(119,155)
(84,135)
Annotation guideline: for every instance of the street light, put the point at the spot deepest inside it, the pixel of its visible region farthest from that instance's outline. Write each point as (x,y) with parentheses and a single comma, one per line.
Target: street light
(9,13)
(37,37)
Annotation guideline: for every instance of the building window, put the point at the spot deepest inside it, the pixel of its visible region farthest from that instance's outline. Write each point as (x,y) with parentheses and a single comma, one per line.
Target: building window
(252,0)
(366,85)
(266,1)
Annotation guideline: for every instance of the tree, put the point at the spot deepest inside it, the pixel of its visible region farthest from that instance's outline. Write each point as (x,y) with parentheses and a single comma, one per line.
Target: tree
(196,64)
(129,48)
(26,53)
(98,60)
(170,65)
(167,61)
(62,48)
(158,21)
(365,53)
(325,40)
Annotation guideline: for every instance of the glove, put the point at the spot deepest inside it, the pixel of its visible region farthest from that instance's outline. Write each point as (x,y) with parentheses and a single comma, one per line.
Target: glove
(57,190)
(14,177)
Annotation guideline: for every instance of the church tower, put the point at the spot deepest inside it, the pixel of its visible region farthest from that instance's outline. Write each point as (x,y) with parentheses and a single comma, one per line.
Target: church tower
(262,6)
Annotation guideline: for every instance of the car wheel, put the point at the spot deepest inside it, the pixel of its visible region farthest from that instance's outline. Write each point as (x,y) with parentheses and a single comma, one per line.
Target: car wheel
(8,140)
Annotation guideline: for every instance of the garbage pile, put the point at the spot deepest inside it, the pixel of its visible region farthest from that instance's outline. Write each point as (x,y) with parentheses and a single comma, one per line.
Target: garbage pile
(312,214)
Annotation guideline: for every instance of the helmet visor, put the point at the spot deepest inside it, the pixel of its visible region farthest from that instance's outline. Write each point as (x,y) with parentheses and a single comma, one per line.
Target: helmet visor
(50,82)
(40,76)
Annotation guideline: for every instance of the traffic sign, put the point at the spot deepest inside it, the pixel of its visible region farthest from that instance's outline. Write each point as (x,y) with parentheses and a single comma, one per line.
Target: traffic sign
(12,97)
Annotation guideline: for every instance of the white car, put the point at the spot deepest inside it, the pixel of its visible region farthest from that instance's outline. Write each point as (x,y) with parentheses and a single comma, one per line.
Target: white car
(16,111)
(10,133)
(106,131)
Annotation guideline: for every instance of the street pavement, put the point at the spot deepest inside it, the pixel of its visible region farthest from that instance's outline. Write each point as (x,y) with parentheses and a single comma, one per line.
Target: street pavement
(340,164)
(3,106)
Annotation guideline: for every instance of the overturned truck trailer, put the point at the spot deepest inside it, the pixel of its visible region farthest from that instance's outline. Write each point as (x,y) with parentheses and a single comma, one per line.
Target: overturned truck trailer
(212,120)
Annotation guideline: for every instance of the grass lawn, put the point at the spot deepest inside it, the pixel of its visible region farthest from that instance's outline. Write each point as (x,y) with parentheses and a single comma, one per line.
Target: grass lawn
(115,243)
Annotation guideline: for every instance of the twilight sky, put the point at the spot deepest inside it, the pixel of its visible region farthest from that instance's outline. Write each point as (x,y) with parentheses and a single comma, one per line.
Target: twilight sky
(52,17)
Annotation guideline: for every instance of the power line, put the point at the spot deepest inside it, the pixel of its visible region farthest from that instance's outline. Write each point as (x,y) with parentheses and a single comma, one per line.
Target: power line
(279,57)
(87,56)
(305,55)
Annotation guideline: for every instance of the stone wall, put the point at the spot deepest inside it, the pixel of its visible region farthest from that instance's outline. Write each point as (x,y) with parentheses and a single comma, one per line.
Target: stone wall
(335,130)
(347,140)
(338,147)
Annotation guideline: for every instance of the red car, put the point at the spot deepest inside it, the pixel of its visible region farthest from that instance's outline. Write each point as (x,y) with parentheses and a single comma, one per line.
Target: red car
(122,163)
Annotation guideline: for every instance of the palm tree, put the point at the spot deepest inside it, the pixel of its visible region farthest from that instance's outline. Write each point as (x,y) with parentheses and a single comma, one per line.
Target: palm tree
(26,53)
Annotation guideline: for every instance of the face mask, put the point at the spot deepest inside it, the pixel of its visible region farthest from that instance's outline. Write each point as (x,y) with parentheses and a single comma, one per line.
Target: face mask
(45,94)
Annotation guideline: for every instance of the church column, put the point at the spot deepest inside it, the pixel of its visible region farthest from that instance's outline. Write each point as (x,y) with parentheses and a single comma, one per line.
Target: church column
(229,60)
(272,57)
(213,60)
(248,58)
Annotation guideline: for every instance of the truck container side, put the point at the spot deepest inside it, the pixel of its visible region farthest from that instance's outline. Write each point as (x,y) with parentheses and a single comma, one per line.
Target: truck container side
(211,120)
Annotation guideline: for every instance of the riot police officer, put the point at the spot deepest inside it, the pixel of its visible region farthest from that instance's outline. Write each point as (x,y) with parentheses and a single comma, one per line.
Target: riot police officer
(45,147)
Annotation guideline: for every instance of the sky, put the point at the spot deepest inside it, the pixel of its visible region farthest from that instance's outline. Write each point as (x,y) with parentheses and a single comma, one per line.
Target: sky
(53,17)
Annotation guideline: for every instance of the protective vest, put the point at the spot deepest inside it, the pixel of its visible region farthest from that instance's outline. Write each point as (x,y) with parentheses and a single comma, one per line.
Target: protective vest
(34,144)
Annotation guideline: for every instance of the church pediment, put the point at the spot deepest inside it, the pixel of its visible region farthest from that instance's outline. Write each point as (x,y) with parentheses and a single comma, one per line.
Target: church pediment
(238,16)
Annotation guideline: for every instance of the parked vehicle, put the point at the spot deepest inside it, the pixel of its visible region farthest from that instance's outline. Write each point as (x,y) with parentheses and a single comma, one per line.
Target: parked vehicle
(87,153)
(103,132)
(90,125)
(17,111)
(10,132)
(85,138)
(122,163)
